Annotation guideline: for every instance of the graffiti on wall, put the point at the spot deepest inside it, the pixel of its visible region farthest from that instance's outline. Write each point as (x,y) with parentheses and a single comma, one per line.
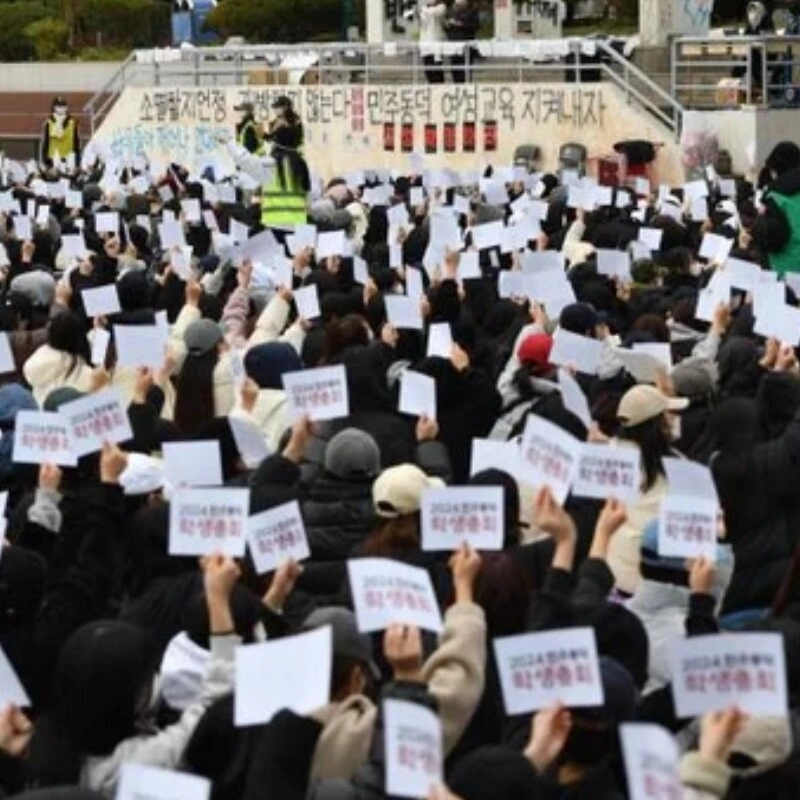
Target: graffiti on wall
(361,106)
(188,123)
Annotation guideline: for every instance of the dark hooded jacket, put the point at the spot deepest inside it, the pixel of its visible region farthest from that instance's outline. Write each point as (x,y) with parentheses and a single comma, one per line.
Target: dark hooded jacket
(757,482)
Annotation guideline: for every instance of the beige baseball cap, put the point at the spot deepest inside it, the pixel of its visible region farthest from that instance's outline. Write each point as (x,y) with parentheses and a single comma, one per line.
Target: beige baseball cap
(398,490)
(642,403)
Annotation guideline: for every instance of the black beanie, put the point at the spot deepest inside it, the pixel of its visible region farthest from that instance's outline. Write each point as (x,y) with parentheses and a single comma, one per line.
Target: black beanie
(489,773)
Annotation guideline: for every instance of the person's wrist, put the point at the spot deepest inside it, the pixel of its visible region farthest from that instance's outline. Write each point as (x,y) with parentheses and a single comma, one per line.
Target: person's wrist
(407,674)
(275,600)
(463,591)
(293,452)
(534,755)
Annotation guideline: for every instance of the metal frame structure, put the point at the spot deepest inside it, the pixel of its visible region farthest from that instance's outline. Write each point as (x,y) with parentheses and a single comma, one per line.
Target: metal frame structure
(769,66)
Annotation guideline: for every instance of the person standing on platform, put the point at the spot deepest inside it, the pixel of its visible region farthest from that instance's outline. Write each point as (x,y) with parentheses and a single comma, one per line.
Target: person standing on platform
(284,200)
(461,25)
(59,147)
(431,36)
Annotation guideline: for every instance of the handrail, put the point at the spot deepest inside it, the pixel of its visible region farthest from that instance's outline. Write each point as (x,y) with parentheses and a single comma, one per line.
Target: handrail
(673,120)
(342,61)
(102,95)
(766,67)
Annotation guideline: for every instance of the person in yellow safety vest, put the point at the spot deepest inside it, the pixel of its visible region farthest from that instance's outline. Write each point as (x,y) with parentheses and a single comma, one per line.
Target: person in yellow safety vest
(249,134)
(284,199)
(60,143)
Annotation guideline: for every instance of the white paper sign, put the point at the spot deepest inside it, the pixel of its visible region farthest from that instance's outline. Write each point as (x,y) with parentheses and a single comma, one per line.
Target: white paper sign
(581,352)
(22,228)
(307,301)
(100,340)
(331,243)
(652,759)
(140,345)
(208,520)
(414,285)
(457,514)
(413,746)
(293,673)
(551,455)
(712,673)
(661,351)
(540,669)
(651,237)
(496,454)
(276,535)
(417,394)
(573,398)
(607,470)
(138,782)
(687,527)
(97,418)
(715,247)
(615,263)
(188,464)
(440,340)
(11,689)
(42,437)
(689,511)
(100,301)
(644,367)
(73,199)
(321,393)
(250,442)
(403,312)
(106,222)
(6,356)
(73,245)
(387,592)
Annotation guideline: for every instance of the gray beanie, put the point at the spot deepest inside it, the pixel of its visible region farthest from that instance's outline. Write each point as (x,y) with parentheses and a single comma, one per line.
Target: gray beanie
(352,454)
(38,286)
(202,336)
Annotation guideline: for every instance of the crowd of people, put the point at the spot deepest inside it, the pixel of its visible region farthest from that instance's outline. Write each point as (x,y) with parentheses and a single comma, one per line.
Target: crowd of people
(126,651)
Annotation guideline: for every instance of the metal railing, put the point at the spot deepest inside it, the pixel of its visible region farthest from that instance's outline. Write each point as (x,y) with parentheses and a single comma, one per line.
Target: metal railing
(735,70)
(574,60)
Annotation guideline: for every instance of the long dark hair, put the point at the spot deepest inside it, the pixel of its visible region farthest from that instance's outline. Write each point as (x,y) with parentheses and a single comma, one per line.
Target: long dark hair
(727,448)
(654,445)
(67,333)
(103,681)
(194,404)
(393,537)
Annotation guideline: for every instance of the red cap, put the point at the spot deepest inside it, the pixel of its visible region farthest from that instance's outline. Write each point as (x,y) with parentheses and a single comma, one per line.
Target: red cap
(535,350)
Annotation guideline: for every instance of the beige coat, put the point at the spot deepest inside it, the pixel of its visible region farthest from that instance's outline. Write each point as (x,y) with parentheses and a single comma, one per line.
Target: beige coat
(454,674)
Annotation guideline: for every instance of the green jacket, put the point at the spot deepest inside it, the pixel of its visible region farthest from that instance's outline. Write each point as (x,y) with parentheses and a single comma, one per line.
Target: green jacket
(787,259)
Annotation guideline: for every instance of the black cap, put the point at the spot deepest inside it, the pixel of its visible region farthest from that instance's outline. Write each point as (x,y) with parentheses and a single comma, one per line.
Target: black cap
(59,101)
(282,102)
(246,106)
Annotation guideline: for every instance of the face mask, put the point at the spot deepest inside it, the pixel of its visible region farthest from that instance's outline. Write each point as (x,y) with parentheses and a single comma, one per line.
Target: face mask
(60,115)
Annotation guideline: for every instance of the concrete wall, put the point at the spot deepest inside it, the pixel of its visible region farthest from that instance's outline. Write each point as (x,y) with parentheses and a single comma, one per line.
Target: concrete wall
(356,127)
(56,78)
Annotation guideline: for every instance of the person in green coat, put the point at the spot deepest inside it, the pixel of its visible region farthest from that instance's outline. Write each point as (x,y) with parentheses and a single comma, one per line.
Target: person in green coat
(777,230)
